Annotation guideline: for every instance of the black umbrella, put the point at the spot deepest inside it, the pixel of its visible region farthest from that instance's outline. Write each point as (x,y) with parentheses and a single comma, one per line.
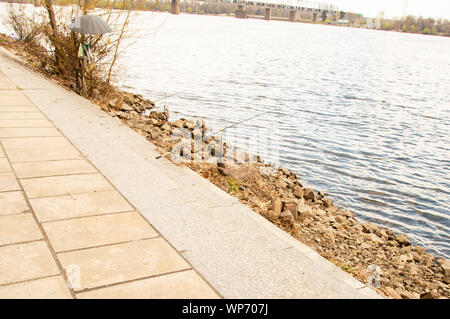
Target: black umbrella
(89,24)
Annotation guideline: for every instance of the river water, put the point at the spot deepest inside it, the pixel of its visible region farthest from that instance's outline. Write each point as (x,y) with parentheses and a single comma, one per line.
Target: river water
(362,115)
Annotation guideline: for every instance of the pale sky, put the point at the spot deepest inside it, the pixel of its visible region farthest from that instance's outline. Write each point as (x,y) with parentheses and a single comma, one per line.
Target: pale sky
(394,8)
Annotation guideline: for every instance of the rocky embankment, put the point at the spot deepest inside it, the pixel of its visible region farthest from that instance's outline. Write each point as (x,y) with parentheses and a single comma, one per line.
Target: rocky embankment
(402,270)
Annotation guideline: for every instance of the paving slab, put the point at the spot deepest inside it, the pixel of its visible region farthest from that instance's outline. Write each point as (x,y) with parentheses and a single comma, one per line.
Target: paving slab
(4,165)
(65,185)
(43,154)
(12,203)
(181,285)
(7,85)
(28,132)
(53,168)
(79,205)
(26,261)
(45,288)
(14,98)
(16,109)
(25,123)
(30,81)
(18,228)
(21,116)
(94,231)
(123,262)
(35,142)
(8,182)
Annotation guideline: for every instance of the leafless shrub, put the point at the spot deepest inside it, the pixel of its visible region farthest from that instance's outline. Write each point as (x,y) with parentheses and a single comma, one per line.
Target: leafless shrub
(54,42)
(25,26)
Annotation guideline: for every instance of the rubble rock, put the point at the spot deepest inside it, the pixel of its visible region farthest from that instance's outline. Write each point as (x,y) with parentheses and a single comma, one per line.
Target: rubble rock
(277,205)
(113,103)
(286,215)
(292,208)
(445,264)
(126,108)
(402,240)
(165,127)
(178,123)
(369,227)
(309,194)
(327,202)
(189,125)
(430,295)
(281,184)
(298,192)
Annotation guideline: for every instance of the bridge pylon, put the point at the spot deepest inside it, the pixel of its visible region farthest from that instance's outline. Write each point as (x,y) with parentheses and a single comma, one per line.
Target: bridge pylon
(293,15)
(175,7)
(314,17)
(240,13)
(268,15)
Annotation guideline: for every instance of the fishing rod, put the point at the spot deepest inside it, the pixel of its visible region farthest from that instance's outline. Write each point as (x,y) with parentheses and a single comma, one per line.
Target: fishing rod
(218,131)
(167,96)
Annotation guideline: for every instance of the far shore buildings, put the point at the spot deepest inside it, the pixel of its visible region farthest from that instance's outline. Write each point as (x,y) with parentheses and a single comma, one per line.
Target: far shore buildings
(342,22)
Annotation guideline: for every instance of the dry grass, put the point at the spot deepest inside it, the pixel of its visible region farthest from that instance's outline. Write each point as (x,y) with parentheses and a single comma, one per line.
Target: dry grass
(47,37)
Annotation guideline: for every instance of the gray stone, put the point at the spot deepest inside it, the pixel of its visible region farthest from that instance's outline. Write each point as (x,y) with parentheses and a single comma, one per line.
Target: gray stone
(298,192)
(127,99)
(292,208)
(287,216)
(309,194)
(277,205)
(165,127)
(200,124)
(305,213)
(113,103)
(369,227)
(445,264)
(402,240)
(178,123)
(281,184)
(419,250)
(382,233)
(223,171)
(430,295)
(327,202)
(189,125)
(341,219)
(372,237)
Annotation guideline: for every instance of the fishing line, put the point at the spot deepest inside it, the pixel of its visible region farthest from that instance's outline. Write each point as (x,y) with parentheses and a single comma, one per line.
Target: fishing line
(167,96)
(218,131)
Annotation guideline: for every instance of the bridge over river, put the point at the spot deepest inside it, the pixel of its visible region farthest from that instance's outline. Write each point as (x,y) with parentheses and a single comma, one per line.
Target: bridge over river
(293,5)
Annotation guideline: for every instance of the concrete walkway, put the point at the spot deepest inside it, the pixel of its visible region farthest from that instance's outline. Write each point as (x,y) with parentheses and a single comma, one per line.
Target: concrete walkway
(58,212)
(149,229)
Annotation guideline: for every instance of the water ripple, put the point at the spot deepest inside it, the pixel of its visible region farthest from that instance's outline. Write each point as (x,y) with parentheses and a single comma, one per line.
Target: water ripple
(363,116)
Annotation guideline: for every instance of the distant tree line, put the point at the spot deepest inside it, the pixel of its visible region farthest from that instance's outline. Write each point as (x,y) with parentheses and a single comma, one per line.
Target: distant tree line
(418,25)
